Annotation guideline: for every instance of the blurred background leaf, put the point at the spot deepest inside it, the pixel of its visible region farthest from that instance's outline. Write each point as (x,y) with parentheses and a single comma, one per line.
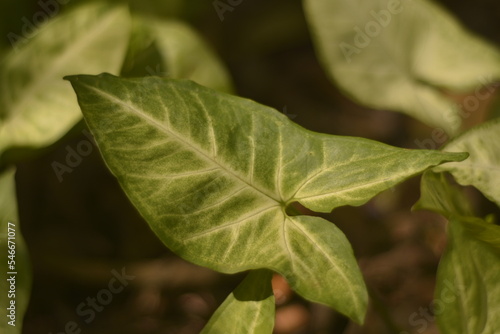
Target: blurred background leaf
(401,55)
(467,293)
(35,107)
(176,50)
(482,168)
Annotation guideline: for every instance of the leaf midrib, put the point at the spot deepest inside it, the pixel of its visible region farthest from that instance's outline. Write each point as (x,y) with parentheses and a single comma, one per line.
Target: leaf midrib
(141,114)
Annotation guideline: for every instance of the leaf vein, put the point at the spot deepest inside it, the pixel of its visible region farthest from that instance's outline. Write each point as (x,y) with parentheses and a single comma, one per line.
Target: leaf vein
(238,222)
(140,113)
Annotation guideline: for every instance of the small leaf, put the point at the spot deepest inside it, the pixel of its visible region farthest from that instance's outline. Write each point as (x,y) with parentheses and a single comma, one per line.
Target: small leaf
(485,232)
(469,271)
(467,297)
(16,298)
(36,105)
(482,169)
(183,54)
(449,201)
(214,174)
(399,55)
(248,309)
(438,195)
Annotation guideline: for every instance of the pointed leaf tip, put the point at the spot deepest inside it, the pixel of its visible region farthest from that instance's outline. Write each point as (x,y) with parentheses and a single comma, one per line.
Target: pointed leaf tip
(456,156)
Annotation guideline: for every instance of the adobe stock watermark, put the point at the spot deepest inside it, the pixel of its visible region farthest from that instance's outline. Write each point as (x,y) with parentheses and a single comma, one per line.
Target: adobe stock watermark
(74,156)
(471,104)
(285,112)
(156,71)
(49,9)
(88,309)
(223,6)
(426,315)
(372,28)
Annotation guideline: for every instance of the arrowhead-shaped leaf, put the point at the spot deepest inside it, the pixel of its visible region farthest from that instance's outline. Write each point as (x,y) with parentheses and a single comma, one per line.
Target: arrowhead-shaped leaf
(213,175)
(36,106)
(399,55)
(179,51)
(467,297)
(482,169)
(17,261)
(248,309)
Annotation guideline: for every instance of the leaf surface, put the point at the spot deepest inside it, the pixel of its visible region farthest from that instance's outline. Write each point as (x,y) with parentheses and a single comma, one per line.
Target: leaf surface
(36,105)
(400,55)
(18,262)
(467,297)
(252,300)
(213,175)
(482,169)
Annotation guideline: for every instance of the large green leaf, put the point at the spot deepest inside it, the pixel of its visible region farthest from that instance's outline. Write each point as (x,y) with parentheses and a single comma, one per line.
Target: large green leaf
(482,169)
(248,309)
(14,266)
(36,105)
(467,297)
(399,55)
(182,53)
(213,175)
